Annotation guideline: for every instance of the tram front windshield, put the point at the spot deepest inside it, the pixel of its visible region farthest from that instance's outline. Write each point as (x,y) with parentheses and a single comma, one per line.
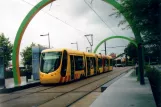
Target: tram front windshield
(50,61)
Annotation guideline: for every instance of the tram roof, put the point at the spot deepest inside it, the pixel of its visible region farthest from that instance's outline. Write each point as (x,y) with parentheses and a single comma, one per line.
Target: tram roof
(109,57)
(89,54)
(62,49)
(70,51)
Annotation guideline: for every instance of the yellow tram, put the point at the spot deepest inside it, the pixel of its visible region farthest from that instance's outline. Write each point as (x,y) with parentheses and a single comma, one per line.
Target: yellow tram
(65,65)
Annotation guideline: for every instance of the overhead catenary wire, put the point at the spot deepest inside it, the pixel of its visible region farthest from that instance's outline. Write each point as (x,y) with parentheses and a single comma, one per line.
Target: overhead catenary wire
(99,16)
(56,18)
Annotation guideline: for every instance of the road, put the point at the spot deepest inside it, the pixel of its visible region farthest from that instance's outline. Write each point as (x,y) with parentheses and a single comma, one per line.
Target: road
(58,96)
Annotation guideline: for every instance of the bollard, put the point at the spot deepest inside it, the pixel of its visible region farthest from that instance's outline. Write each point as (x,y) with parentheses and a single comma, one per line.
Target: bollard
(28,75)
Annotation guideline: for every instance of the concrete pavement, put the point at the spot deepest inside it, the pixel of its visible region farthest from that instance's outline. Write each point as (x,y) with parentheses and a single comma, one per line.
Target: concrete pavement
(126,92)
(10,87)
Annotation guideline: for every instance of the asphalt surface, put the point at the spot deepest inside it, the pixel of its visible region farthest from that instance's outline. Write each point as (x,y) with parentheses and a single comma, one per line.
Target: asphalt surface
(58,96)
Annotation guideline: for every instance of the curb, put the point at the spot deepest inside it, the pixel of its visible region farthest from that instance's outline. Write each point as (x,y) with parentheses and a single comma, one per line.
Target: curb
(17,88)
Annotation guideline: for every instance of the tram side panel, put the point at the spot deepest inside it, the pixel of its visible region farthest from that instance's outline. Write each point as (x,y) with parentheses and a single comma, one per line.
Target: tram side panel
(111,64)
(106,65)
(91,68)
(65,69)
(103,63)
(100,64)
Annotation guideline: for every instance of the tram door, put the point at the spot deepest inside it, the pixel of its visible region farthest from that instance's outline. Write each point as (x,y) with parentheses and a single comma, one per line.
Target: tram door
(72,66)
(94,63)
(88,66)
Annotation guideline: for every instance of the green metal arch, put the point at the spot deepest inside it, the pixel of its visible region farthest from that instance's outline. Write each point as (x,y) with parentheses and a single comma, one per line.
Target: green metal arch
(20,32)
(114,37)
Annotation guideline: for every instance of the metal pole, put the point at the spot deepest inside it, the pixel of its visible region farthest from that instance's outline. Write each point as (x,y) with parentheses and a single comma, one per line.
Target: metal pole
(49,40)
(77,45)
(92,42)
(141,63)
(160,31)
(105,48)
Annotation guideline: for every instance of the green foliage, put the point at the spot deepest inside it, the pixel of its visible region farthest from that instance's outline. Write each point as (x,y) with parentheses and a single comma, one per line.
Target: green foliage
(144,16)
(26,55)
(131,51)
(7,47)
(155,80)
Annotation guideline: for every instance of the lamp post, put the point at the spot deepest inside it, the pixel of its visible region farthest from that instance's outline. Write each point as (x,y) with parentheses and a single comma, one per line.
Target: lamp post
(76,44)
(91,43)
(87,49)
(48,38)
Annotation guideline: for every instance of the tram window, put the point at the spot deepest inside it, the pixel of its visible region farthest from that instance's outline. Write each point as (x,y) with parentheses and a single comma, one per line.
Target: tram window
(88,62)
(93,62)
(111,62)
(50,61)
(78,63)
(72,61)
(99,62)
(64,64)
(106,62)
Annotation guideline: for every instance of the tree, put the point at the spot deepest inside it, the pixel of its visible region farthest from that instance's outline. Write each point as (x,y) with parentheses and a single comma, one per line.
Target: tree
(26,55)
(145,18)
(131,51)
(7,48)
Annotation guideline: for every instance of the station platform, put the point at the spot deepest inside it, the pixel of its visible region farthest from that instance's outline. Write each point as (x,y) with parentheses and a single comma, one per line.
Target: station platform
(10,87)
(126,92)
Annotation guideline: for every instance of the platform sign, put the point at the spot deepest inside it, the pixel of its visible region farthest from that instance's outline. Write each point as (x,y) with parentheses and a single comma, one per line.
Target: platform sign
(2,78)
(1,68)
(36,61)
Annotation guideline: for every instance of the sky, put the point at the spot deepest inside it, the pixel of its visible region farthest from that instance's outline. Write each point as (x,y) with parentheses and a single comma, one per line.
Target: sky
(76,13)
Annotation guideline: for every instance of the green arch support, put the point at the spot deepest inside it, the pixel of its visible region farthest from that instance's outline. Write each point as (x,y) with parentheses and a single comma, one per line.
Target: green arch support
(114,37)
(19,35)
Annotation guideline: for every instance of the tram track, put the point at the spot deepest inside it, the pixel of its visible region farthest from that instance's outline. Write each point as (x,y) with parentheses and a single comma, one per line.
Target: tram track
(93,90)
(59,92)
(25,94)
(86,93)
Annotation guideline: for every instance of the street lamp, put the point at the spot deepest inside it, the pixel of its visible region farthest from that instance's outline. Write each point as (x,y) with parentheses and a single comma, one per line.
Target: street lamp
(76,44)
(48,38)
(87,49)
(91,43)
